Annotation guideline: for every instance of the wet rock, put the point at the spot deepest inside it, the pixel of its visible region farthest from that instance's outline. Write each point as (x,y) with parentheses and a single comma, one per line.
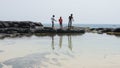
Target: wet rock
(108,30)
(116,30)
(45,31)
(70,31)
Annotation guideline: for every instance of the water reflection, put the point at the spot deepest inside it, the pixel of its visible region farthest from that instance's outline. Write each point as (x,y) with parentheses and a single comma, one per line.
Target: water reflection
(53,42)
(61,42)
(37,60)
(1,65)
(118,36)
(29,61)
(1,50)
(43,57)
(70,42)
(18,35)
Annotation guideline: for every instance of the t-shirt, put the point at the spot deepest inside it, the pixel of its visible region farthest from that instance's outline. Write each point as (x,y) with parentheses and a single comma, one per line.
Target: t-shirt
(53,19)
(70,18)
(60,21)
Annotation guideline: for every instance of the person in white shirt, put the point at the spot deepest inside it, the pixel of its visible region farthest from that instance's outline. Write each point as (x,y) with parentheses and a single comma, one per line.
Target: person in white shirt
(53,20)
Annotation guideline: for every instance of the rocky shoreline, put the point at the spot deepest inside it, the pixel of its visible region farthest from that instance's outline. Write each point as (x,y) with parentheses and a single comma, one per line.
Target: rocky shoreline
(11,27)
(29,27)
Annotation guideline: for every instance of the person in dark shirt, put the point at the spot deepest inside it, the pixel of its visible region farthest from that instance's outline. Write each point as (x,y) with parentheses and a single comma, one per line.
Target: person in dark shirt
(60,22)
(70,21)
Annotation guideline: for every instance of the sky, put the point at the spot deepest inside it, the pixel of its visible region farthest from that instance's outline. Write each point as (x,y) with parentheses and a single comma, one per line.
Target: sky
(84,11)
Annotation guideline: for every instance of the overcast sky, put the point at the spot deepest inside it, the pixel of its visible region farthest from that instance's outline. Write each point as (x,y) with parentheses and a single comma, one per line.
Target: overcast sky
(84,11)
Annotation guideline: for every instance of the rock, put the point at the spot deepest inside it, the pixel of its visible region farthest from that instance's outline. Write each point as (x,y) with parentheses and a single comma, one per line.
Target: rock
(45,31)
(19,26)
(70,31)
(108,30)
(48,28)
(116,30)
(38,24)
(100,32)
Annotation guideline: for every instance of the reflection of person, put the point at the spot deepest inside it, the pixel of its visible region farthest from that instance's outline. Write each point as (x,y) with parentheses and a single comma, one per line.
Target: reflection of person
(70,21)
(60,42)
(53,43)
(60,22)
(69,42)
(53,20)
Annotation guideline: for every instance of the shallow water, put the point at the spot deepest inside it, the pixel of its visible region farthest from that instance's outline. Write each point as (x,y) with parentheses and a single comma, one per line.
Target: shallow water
(61,51)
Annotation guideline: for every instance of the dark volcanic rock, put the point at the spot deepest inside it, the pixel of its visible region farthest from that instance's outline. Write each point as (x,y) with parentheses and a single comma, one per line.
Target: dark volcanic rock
(18,26)
(45,31)
(99,29)
(108,30)
(12,27)
(116,30)
(70,31)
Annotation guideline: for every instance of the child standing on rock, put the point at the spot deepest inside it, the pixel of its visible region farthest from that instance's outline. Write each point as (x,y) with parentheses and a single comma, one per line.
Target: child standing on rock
(60,22)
